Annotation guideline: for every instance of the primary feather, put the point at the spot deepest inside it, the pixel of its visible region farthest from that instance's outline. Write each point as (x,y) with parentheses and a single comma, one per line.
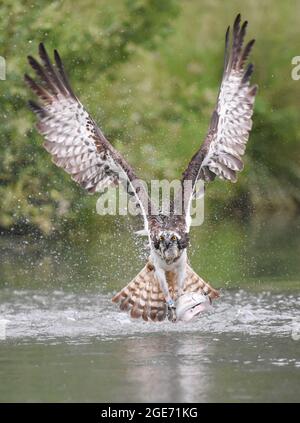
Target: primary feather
(72,137)
(225,143)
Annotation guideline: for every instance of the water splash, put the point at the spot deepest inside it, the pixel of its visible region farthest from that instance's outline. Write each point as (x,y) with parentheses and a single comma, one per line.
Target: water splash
(46,315)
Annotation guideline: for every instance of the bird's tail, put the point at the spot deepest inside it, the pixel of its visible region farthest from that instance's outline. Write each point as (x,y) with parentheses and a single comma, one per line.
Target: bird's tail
(143,296)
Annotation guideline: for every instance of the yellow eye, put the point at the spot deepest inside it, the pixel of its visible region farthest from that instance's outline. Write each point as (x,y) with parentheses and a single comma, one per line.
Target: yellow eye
(173,238)
(161,238)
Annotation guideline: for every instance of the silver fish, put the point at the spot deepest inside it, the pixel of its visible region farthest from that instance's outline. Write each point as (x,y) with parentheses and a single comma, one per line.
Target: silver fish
(192,304)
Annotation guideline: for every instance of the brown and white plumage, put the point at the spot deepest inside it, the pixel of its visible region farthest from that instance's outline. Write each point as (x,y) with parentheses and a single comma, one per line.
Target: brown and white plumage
(72,137)
(78,145)
(225,143)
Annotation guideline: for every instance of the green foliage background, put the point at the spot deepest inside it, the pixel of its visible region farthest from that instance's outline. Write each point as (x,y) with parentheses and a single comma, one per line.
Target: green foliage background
(148,71)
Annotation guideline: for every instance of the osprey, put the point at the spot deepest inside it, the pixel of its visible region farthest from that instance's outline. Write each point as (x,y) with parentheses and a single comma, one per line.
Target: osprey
(78,145)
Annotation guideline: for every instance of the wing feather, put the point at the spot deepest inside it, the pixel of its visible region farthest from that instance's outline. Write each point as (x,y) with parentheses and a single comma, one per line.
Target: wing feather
(222,150)
(72,137)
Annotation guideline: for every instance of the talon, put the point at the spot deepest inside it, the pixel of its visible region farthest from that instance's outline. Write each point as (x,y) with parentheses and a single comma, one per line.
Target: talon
(171,311)
(172,314)
(171,304)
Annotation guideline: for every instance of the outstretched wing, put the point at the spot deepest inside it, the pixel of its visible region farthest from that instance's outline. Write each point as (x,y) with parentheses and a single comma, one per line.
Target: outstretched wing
(222,150)
(74,140)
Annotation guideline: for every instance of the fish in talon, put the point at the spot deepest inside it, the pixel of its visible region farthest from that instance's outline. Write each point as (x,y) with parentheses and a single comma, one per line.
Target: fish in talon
(191,305)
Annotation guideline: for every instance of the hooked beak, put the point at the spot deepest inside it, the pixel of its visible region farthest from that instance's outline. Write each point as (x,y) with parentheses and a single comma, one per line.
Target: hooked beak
(167,244)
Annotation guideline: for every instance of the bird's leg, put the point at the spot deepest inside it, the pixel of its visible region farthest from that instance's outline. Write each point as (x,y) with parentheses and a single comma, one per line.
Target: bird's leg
(181,275)
(161,276)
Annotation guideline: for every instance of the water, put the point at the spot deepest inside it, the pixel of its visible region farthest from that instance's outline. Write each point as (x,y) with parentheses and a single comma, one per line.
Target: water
(61,338)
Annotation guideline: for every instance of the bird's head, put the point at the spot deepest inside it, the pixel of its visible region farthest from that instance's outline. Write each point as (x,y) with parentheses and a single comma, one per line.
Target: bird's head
(170,244)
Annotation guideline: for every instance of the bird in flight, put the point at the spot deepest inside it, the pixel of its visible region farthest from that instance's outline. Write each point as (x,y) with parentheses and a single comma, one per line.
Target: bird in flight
(79,146)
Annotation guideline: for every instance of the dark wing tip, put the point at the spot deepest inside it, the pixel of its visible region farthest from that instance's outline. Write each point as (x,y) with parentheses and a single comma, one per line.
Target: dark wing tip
(237,22)
(227,35)
(59,62)
(28,79)
(43,52)
(248,73)
(46,59)
(237,18)
(243,30)
(32,104)
(226,53)
(36,108)
(42,49)
(26,76)
(62,72)
(246,52)
(57,56)
(32,61)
